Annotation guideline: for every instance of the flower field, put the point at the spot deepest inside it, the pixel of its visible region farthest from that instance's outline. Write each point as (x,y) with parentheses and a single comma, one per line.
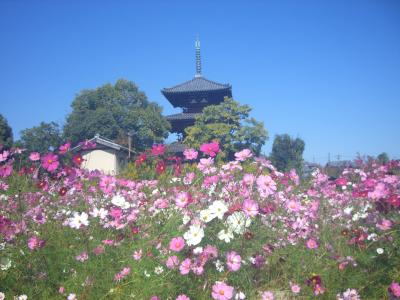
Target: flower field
(203,229)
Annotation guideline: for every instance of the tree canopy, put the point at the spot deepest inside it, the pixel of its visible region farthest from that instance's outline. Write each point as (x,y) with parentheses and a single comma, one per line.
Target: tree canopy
(41,138)
(287,153)
(113,111)
(228,123)
(6,134)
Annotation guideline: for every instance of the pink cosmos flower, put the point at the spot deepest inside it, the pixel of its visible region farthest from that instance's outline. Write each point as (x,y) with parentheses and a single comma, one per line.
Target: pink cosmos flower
(34,156)
(64,148)
(121,275)
(172,262)
(50,162)
(243,155)
(222,291)
(6,170)
(61,290)
(249,179)
(177,244)
(394,288)
(182,297)
(312,244)
(190,154)
(82,257)
(210,149)
(385,224)
(295,288)
(34,242)
(182,199)
(293,206)
(4,155)
(137,255)
(341,181)
(266,185)
(158,150)
(250,208)
(267,296)
(233,261)
(184,268)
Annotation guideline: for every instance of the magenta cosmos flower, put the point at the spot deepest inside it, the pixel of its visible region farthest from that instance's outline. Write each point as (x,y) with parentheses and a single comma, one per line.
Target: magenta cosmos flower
(184,268)
(190,154)
(158,150)
(394,288)
(210,149)
(222,291)
(182,297)
(233,261)
(250,208)
(50,162)
(177,244)
(64,148)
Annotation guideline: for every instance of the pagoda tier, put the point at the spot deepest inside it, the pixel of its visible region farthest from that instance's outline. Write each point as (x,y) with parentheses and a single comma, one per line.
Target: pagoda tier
(180,121)
(196,94)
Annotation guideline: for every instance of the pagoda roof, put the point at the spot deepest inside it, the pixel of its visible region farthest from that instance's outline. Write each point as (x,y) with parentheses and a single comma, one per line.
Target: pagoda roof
(182,116)
(197,84)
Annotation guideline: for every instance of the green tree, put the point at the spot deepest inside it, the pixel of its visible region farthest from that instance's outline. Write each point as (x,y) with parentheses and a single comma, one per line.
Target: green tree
(229,124)
(113,111)
(6,135)
(42,138)
(287,153)
(383,158)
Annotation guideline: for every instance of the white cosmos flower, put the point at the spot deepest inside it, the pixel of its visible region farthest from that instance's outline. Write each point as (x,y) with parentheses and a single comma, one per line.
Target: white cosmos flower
(101,213)
(198,250)
(120,201)
(206,215)
(219,208)
(194,235)
(380,251)
(225,236)
(78,220)
(185,219)
(237,222)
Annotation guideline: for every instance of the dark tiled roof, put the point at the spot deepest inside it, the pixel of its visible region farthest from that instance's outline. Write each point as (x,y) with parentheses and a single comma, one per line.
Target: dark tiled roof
(182,116)
(197,84)
(176,147)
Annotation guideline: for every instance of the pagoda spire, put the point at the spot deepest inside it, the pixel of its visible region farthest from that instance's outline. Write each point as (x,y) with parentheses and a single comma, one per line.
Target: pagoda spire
(198,58)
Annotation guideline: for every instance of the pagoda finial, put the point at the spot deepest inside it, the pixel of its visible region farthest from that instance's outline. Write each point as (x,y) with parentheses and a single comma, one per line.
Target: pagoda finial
(198,58)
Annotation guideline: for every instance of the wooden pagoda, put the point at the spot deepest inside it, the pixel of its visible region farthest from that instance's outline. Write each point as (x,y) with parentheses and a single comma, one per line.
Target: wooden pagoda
(192,96)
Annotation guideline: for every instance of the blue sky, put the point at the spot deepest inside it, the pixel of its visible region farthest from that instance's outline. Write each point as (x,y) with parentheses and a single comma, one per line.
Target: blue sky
(325,71)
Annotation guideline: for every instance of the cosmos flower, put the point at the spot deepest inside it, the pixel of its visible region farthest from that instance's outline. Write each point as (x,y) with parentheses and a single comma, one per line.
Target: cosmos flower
(210,149)
(194,235)
(222,291)
(177,244)
(190,154)
(34,156)
(243,155)
(78,220)
(233,261)
(157,150)
(50,162)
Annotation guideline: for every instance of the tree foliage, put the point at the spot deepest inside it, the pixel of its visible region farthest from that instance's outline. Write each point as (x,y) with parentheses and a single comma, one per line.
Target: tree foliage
(229,124)
(6,134)
(383,158)
(42,138)
(113,111)
(287,153)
